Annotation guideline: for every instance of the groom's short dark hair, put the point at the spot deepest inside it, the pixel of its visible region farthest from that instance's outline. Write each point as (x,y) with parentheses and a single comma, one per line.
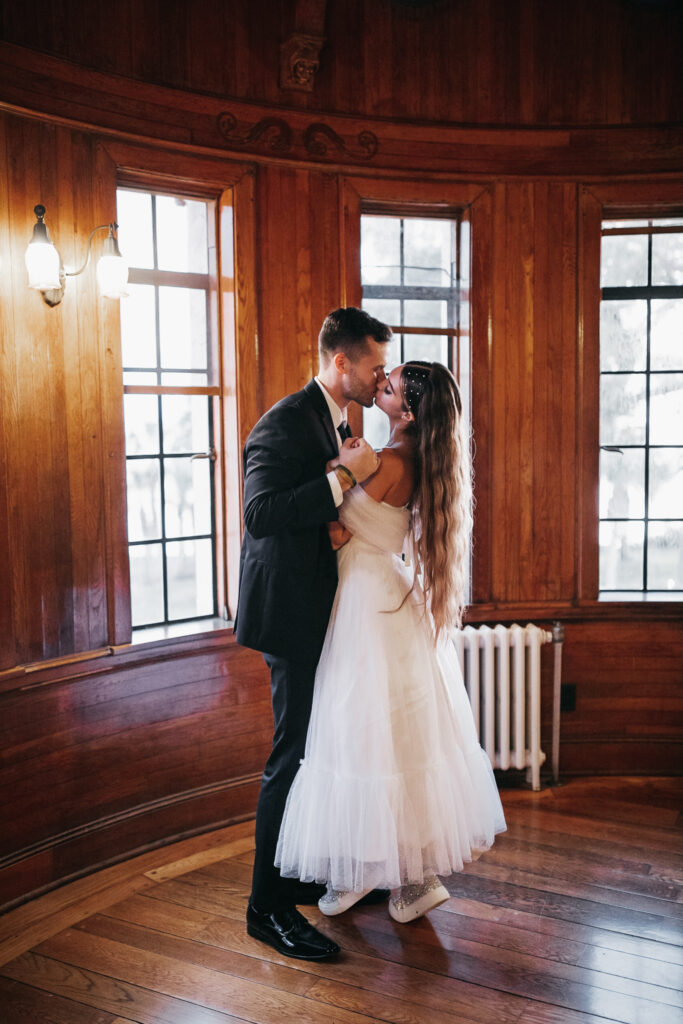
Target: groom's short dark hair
(346,329)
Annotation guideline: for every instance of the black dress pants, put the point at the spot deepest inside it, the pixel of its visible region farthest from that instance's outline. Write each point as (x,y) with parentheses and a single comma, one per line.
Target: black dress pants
(291,684)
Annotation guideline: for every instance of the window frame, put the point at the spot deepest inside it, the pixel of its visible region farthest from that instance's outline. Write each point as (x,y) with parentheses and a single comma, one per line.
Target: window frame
(231,185)
(208,283)
(473,201)
(598,203)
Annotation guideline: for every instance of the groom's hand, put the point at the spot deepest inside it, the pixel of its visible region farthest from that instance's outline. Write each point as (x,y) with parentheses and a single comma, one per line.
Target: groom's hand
(339,535)
(357,455)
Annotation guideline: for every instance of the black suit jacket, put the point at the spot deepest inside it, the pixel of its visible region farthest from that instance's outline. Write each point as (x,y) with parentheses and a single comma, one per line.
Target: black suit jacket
(288,570)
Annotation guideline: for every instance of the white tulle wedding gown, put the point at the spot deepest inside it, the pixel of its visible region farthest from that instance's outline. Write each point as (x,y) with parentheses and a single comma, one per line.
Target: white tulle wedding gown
(394,785)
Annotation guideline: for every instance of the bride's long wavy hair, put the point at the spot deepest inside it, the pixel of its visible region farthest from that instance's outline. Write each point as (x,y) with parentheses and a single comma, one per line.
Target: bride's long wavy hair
(441,504)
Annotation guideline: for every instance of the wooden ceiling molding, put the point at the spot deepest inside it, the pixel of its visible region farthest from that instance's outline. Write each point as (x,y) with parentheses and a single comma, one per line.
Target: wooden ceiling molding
(300,52)
(63,93)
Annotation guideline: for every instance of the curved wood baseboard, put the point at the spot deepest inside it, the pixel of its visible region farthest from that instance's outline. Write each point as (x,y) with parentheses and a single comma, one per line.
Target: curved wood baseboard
(112,838)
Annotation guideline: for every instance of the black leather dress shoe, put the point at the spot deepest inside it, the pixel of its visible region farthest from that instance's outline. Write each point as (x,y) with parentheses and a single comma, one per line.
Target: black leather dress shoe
(374,896)
(289,933)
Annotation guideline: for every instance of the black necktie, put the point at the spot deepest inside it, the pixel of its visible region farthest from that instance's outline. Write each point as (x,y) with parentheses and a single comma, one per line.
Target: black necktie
(344,432)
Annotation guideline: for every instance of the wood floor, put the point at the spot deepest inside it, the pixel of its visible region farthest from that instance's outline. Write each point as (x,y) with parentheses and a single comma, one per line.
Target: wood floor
(573,918)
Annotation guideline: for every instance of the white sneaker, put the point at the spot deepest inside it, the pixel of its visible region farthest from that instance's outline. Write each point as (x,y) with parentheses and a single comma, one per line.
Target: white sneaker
(336,901)
(412,901)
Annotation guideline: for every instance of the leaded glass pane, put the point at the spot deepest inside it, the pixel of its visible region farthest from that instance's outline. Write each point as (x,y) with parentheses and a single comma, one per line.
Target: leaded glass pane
(186,423)
(141,417)
(182,328)
(182,234)
(190,578)
(666,408)
(429,252)
(665,556)
(667,259)
(381,250)
(143,481)
(666,338)
(136,241)
(621,555)
(666,483)
(622,409)
(138,326)
(623,335)
(146,584)
(622,484)
(187,488)
(623,261)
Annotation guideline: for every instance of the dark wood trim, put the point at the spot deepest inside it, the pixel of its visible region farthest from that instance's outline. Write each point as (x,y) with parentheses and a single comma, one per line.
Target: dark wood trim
(119,820)
(36,84)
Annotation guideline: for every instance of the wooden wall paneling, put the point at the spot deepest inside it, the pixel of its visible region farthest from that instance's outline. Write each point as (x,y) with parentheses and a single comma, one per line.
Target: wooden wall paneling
(107,354)
(326,273)
(248,284)
(513,392)
(275,320)
(478,61)
(8,406)
(588,405)
(481,349)
(553,446)
(120,744)
(545,487)
(39,478)
(299,255)
(629,708)
(92,418)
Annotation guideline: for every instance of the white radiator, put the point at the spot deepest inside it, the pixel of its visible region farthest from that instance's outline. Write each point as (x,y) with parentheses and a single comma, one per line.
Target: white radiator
(502,670)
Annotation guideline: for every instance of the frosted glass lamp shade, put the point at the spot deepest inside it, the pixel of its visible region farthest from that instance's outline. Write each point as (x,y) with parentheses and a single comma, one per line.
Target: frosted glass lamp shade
(112,270)
(112,276)
(42,263)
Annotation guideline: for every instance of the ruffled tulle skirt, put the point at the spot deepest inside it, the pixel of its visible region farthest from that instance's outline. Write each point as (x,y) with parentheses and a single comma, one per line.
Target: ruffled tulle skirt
(394,785)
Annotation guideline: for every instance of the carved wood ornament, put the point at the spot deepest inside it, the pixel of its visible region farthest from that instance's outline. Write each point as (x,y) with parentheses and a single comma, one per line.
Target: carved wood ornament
(300,52)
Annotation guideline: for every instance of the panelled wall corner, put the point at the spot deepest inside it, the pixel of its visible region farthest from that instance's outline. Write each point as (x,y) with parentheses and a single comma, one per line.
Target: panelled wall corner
(121,731)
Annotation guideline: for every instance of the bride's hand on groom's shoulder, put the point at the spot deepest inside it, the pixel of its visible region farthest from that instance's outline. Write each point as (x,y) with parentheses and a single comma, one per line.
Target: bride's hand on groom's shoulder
(339,535)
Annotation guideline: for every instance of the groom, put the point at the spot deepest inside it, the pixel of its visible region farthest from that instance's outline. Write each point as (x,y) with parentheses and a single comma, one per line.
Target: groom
(298,461)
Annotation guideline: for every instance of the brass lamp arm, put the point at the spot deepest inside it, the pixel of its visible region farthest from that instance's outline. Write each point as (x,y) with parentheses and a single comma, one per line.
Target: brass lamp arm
(100,227)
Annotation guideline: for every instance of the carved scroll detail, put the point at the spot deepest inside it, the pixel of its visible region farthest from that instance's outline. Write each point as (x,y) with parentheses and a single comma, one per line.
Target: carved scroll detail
(319,136)
(270,133)
(275,135)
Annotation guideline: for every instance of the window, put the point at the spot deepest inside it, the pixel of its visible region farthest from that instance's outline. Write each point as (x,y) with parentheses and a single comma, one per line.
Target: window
(641,410)
(415,277)
(170,377)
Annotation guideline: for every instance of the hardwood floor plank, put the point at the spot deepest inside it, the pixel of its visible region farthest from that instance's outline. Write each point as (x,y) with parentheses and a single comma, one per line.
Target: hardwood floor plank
(29,924)
(187,864)
(516,979)
(195,984)
(659,906)
(609,873)
(366,968)
(656,860)
(23,1004)
(566,907)
(668,841)
(474,909)
(344,994)
(100,991)
(572,918)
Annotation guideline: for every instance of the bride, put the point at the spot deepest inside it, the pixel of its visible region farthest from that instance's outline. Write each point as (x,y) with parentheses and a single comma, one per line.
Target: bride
(394,789)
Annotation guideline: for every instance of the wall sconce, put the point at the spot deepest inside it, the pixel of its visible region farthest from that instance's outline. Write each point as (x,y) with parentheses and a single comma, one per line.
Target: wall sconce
(46,272)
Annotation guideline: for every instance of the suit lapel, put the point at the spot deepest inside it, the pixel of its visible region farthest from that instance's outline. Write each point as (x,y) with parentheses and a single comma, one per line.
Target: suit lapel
(318,402)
